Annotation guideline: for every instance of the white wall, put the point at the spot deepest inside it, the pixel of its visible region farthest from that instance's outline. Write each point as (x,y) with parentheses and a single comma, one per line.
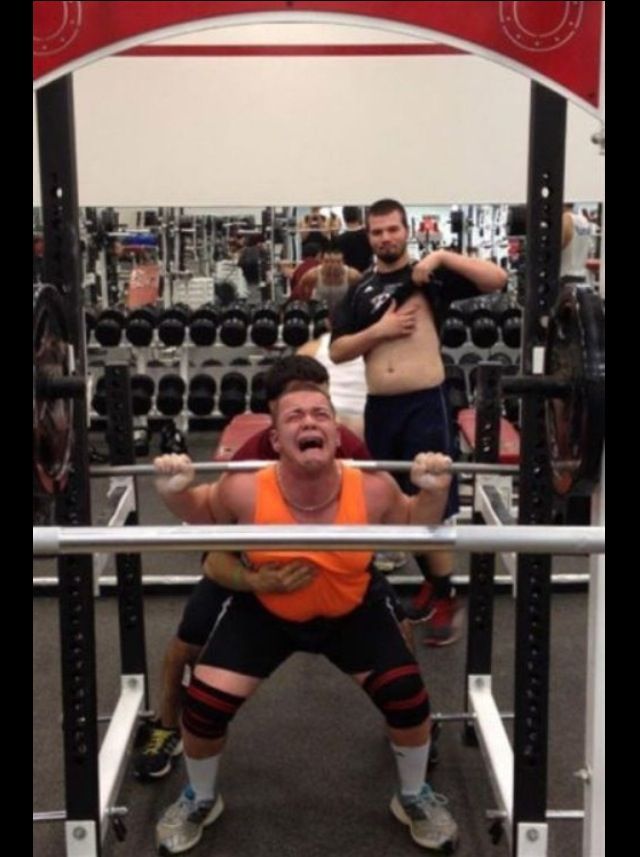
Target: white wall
(259,131)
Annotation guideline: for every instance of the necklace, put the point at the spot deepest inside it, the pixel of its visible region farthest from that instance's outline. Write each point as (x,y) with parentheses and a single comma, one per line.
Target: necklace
(300,508)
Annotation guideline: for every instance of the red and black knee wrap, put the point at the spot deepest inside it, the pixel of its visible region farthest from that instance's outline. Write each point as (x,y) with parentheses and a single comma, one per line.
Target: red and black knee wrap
(207,711)
(400,695)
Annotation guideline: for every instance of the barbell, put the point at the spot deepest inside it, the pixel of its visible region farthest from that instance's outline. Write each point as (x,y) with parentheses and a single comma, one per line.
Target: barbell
(103,470)
(48,541)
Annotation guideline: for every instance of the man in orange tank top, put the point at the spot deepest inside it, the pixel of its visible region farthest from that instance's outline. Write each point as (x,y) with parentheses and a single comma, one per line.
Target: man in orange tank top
(333,614)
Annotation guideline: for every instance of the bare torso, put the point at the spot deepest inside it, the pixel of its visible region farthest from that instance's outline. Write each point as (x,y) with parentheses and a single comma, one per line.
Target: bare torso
(408,363)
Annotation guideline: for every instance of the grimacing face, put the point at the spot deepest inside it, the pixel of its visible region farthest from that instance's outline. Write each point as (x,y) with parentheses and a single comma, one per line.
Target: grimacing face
(305,430)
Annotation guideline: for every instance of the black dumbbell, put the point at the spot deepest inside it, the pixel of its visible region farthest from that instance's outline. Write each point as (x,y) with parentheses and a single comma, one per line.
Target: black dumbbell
(258,402)
(471,358)
(235,321)
(511,323)
(172,440)
(264,327)
(202,389)
(172,326)
(295,329)
(320,319)
(142,390)
(447,360)
(210,361)
(99,400)
(500,357)
(233,394)
(456,388)
(454,331)
(240,361)
(171,389)
(484,328)
(267,361)
(203,325)
(109,326)
(139,326)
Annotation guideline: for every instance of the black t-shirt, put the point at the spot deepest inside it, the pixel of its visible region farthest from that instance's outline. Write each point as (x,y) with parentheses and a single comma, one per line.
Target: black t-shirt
(367,301)
(356,249)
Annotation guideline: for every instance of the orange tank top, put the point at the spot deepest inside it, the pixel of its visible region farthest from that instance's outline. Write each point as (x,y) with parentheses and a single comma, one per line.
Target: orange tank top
(343,578)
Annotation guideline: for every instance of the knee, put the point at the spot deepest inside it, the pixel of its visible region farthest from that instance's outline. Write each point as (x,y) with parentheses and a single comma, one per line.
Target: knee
(208,711)
(399,693)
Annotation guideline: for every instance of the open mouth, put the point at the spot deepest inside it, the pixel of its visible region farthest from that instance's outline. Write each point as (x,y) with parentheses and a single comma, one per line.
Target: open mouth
(310,443)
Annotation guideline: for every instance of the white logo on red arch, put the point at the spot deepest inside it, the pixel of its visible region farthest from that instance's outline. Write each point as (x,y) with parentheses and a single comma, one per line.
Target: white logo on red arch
(536,26)
(55,26)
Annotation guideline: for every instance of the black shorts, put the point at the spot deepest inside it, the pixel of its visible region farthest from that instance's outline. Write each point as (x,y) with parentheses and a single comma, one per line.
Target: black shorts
(248,639)
(398,427)
(201,611)
(207,598)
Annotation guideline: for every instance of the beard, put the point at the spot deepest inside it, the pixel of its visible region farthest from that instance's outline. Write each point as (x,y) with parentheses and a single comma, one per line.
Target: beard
(389,256)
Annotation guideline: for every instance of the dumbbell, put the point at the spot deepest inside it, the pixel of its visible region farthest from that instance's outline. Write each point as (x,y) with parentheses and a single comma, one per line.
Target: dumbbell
(484,329)
(142,390)
(235,321)
(258,402)
(500,357)
(456,388)
(454,331)
(240,361)
(109,327)
(295,329)
(210,361)
(447,360)
(202,389)
(139,326)
(233,394)
(264,327)
(203,325)
(171,389)
(172,326)
(320,319)
(511,324)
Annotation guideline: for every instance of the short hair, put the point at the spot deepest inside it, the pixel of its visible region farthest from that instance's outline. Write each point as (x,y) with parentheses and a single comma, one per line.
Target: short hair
(351,214)
(387,206)
(333,246)
(295,367)
(311,249)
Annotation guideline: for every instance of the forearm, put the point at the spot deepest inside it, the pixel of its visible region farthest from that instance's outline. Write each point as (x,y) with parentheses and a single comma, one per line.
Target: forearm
(355,344)
(486,275)
(427,507)
(192,505)
(227,569)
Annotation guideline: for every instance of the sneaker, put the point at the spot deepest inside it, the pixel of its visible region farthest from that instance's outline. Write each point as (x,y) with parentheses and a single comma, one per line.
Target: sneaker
(442,616)
(444,625)
(160,748)
(388,561)
(172,440)
(431,825)
(183,823)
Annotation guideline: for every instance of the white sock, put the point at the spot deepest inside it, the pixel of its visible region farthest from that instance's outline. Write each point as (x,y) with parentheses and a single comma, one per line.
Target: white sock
(203,774)
(412,767)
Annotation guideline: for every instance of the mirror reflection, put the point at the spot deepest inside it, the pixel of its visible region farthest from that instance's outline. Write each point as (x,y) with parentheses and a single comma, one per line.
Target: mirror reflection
(137,257)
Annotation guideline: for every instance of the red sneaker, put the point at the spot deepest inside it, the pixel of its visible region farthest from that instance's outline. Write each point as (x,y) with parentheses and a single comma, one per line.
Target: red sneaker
(444,625)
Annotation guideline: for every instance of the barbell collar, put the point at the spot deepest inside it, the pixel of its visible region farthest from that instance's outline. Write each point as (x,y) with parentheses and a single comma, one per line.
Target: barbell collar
(244,466)
(48,541)
(536,385)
